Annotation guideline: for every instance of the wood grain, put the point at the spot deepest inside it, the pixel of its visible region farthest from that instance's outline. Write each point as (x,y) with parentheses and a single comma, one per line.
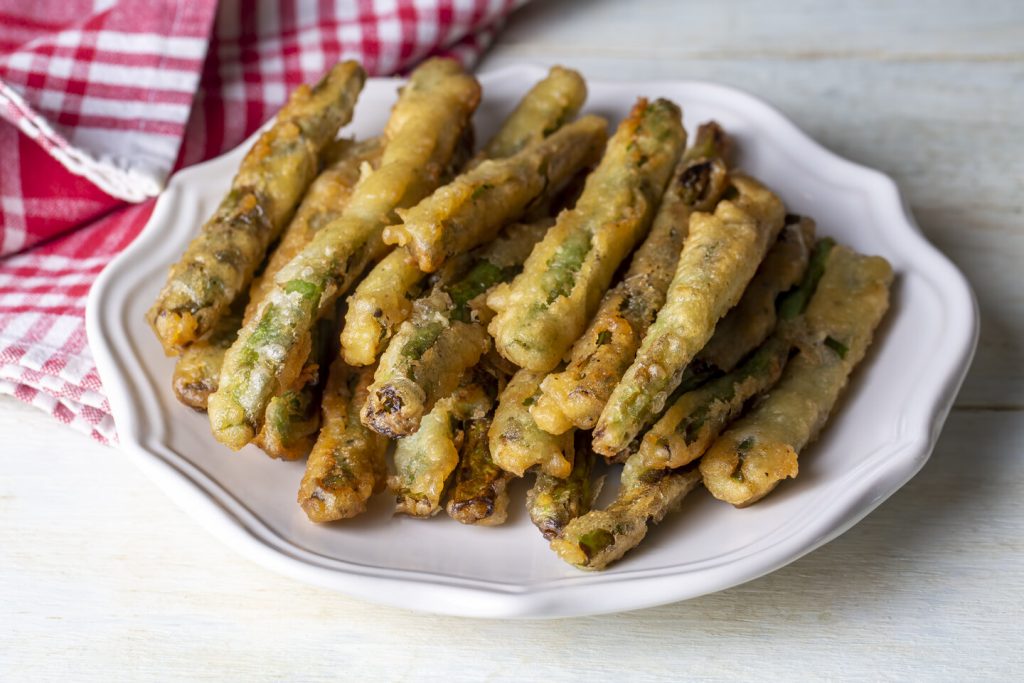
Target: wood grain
(99,573)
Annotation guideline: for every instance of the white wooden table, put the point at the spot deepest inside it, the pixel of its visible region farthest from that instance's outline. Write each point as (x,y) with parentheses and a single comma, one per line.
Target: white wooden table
(100,573)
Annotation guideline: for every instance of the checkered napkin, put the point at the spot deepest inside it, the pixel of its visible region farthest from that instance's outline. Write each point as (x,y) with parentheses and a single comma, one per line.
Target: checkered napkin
(101,99)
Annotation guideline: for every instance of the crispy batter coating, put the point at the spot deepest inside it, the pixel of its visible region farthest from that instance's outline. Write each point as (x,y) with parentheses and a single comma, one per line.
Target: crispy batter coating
(517,443)
(552,502)
(546,308)
(549,105)
(471,209)
(325,201)
(696,419)
(425,460)
(379,304)
(719,258)
(422,363)
(699,411)
(293,416)
(293,419)
(575,396)
(197,372)
(445,335)
(600,537)
(198,367)
(383,300)
(347,463)
(752,319)
(479,494)
(761,449)
(421,135)
(219,263)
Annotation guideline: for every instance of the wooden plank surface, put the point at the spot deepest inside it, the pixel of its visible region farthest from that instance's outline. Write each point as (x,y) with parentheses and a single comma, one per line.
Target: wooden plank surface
(99,571)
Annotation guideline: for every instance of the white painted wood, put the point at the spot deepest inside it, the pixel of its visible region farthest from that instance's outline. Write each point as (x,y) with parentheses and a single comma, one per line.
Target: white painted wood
(99,573)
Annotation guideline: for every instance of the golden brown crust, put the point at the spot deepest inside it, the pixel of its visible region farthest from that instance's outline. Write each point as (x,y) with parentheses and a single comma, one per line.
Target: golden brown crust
(549,105)
(421,135)
(575,396)
(761,449)
(546,308)
(600,537)
(517,443)
(219,263)
(719,258)
(473,208)
(346,465)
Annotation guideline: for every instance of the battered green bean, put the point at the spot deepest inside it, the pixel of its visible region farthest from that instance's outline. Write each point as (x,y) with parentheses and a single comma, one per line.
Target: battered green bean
(575,396)
(444,336)
(718,260)
(197,371)
(293,416)
(422,364)
(553,502)
(219,263)
(598,538)
(546,308)
(761,449)
(383,300)
(324,202)
(421,134)
(347,464)
(751,321)
(472,208)
(686,430)
(698,415)
(548,106)
(198,366)
(379,304)
(479,494)
(425,460)
(517,443)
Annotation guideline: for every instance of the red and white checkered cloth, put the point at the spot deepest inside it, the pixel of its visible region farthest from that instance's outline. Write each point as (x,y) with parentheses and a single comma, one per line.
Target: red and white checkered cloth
(101,99)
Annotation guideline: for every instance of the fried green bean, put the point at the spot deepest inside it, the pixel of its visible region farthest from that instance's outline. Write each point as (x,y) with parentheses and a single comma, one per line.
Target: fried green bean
(698,415)
(379,304)
(421,134)
(549,105)
(423,363)
(472,208)
(197,371)
(687,429)
(219,263)
(198,367)
(517,443)
(347,463)
(575,396)
(598,538)
(479,494)
(552,502)
(425,460)
(293,416)
(719,258)
(383,300)
(546,308)
(324,202)
(752,319)
(444,336)
(762,447)
(293,419)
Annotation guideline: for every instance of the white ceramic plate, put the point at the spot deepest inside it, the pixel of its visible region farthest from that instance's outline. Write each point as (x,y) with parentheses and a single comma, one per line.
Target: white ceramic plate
(881,436)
